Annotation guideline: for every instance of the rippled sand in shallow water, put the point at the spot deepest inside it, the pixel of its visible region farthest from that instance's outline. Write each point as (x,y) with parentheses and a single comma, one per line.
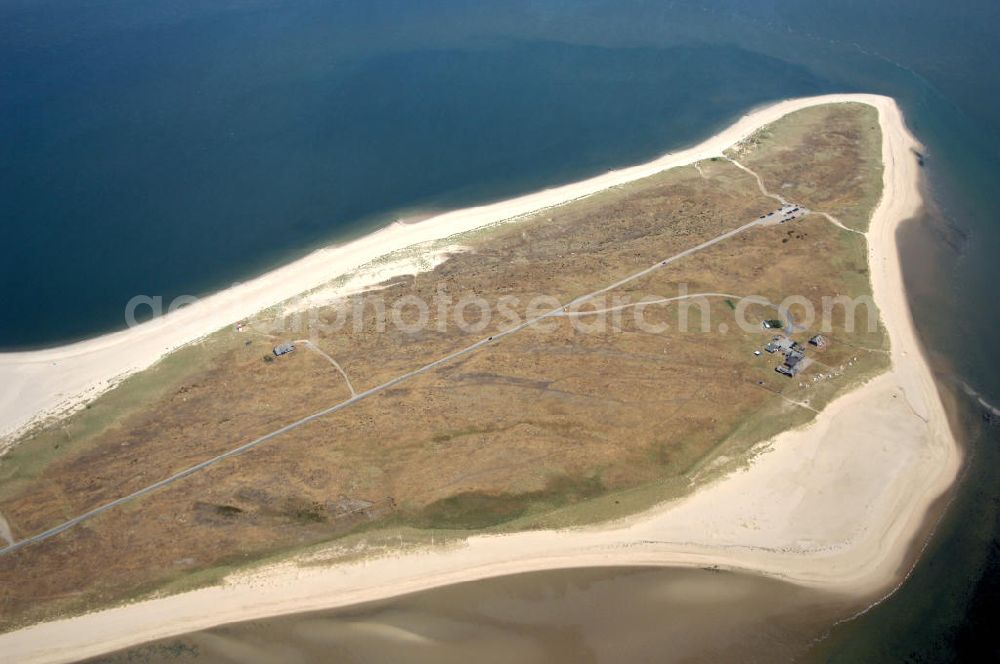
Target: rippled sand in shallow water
(583,615)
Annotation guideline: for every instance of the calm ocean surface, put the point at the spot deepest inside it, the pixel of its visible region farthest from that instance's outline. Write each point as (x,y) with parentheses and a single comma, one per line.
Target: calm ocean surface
(168,148)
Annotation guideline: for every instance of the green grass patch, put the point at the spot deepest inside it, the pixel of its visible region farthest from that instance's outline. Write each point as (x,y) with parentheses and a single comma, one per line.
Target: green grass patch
(474,510)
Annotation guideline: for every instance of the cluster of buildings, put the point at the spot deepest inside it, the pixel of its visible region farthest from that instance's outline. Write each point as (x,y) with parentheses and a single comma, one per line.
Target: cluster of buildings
(794,352)
(786,212)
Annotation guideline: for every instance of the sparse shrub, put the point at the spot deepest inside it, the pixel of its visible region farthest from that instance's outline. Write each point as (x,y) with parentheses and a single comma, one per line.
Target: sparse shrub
(228,510)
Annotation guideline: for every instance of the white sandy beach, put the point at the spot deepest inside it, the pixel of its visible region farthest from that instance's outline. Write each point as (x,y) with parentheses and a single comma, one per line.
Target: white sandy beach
(51,381)
(836,504)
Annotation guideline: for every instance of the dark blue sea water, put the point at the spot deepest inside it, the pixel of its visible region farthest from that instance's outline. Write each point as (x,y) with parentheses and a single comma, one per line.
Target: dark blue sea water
(176,146)
(178,154)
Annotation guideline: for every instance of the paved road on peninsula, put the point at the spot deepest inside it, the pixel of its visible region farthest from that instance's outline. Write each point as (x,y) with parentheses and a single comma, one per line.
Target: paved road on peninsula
(360,396)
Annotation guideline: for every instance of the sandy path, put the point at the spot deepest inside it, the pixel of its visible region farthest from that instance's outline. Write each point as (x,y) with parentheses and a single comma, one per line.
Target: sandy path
(781,199)
(5,533)
(835,504)
(43,382)
(336,365)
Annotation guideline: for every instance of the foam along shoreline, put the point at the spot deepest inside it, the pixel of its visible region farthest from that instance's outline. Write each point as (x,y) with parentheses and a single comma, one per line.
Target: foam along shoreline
(835,504)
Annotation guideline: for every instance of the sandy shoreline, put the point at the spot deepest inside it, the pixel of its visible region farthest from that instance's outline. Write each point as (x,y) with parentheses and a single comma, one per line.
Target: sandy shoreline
(55,380)
(834,505)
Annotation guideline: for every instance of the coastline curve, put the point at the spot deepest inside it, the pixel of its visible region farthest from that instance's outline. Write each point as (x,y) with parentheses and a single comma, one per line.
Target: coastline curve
(834,504)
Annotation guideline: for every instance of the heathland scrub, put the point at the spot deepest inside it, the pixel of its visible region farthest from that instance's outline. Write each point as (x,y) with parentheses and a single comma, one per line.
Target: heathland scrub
(476,419)
(836,504)
(53,382)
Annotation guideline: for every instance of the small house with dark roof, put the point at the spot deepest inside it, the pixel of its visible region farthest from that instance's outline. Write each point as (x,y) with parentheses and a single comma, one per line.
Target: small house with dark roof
(283,349)
(795,361)
(784,344)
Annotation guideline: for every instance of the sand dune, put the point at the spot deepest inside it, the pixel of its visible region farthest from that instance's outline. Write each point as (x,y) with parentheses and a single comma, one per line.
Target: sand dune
(835,504)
